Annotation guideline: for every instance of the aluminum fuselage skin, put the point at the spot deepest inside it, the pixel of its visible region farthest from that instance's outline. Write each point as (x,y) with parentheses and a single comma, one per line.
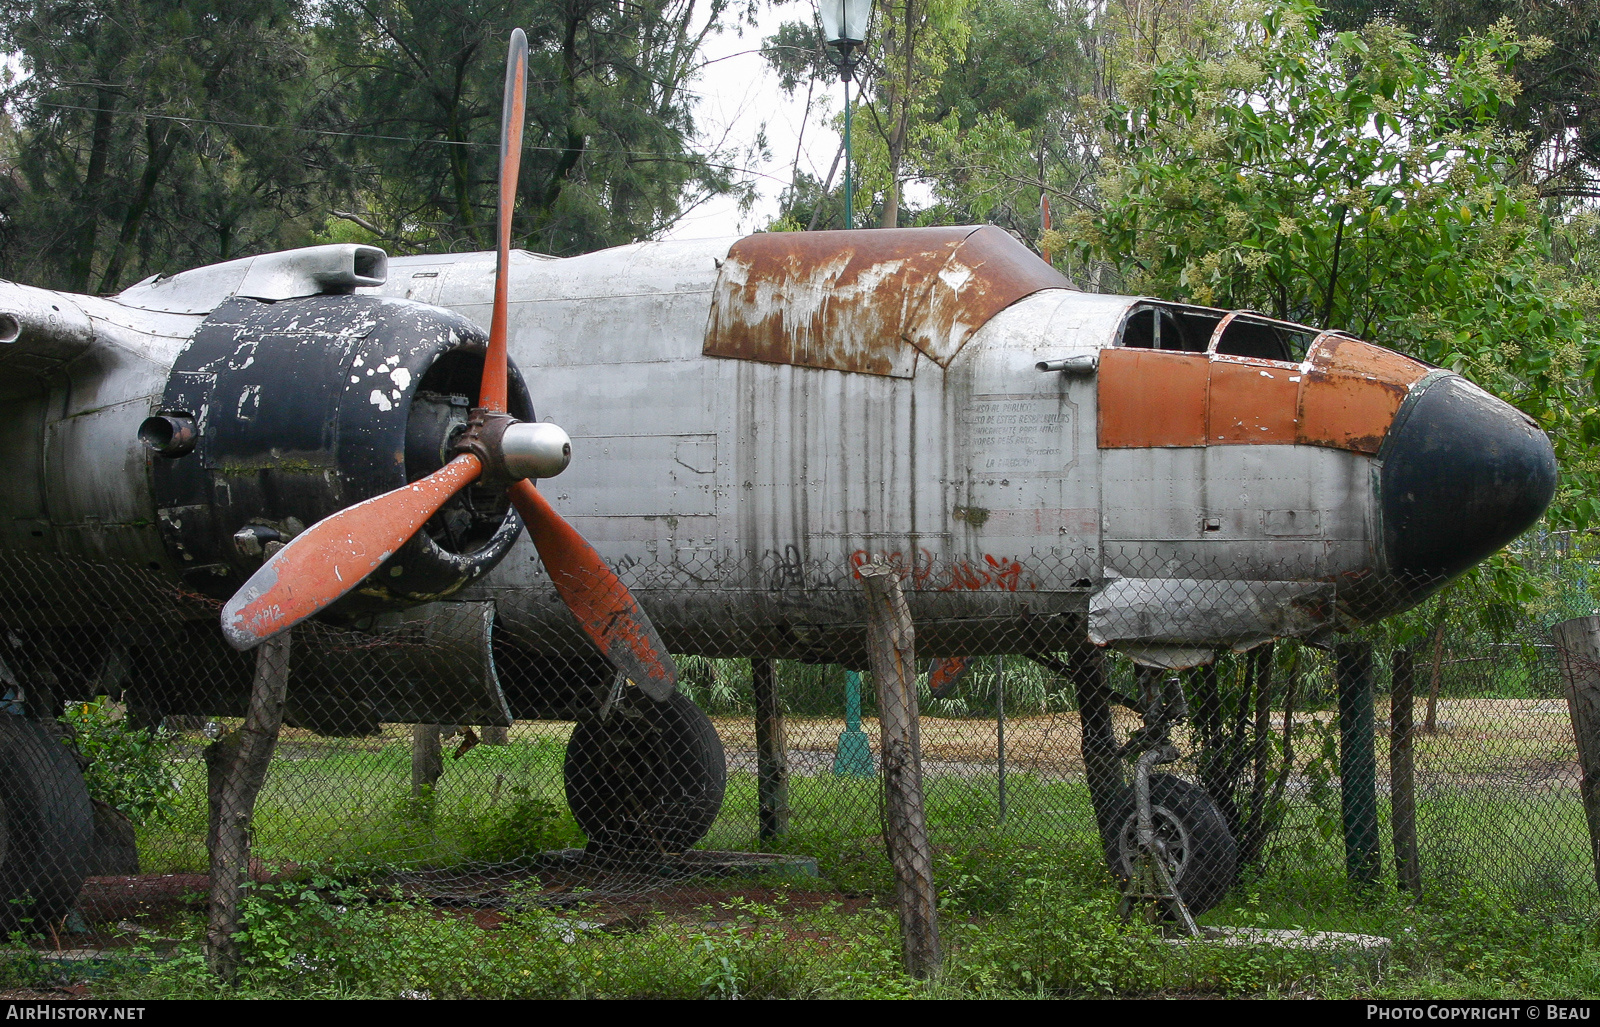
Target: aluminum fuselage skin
(741,495)
(738,496)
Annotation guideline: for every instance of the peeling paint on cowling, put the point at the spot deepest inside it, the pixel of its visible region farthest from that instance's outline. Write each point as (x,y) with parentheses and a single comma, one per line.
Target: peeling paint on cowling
(867,301)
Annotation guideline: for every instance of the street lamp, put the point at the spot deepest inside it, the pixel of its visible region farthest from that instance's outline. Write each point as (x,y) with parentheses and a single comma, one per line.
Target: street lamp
(844,27)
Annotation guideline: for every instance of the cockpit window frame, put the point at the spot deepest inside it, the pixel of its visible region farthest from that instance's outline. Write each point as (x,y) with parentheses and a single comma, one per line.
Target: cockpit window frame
(1224,319)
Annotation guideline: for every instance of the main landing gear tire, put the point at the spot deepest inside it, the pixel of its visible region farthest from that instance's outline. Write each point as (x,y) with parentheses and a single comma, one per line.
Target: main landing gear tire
(649,778)
(1203,852)
(46,827)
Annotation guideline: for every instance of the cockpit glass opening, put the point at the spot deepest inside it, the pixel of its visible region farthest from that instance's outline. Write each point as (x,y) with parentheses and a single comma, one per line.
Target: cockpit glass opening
(1246,336)
(1153,327)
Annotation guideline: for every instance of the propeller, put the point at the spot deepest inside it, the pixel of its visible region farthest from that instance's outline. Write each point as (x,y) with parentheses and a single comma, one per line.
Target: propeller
(333,556)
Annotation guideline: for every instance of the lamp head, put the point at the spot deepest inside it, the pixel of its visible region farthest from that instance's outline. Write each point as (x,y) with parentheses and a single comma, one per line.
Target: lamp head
(844,22)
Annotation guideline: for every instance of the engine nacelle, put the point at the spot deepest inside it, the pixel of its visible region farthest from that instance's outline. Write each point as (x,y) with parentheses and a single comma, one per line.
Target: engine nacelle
(277,414)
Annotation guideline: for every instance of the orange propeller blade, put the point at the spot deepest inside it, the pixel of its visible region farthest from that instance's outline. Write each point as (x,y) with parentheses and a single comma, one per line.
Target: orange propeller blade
(335,554)
(603,605)
(492,390)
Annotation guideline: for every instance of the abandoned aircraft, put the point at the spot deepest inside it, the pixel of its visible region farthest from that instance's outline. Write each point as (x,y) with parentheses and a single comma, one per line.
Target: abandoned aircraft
(750,421)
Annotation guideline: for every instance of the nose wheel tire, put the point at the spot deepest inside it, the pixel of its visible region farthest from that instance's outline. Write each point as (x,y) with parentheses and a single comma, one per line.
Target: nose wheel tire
(46,827)
(647,778)
(1200,851)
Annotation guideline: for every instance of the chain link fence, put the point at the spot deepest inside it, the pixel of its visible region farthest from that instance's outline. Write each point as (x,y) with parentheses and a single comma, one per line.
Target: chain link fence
(1283,791)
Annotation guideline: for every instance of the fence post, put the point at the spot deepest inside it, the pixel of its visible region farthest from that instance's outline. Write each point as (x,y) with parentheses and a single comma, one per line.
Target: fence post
(427,758)
(772,755)
(1402,770)
(1358,761)
(1086,665)
(1578,647)
(891,646)
(236,767)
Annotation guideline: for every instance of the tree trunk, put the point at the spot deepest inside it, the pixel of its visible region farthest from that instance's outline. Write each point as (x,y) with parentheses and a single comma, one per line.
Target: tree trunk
(891,646)
(236,767)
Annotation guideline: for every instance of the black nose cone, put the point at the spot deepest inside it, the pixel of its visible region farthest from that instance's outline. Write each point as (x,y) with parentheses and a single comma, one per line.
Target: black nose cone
(1463,474)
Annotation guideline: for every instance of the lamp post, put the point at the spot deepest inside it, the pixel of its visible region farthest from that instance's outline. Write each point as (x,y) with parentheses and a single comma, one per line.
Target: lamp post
(844,27)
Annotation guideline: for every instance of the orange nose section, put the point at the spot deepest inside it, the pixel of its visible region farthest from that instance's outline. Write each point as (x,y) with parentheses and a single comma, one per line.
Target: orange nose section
(1344,396)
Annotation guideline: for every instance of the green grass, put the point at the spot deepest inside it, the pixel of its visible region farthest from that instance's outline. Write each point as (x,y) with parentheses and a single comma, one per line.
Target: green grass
(1027,906)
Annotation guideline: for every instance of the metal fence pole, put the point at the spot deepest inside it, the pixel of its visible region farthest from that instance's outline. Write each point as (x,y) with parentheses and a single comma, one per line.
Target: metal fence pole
(891,649)
(1358,761)
(1000,728)
(1402,772)
(772,756)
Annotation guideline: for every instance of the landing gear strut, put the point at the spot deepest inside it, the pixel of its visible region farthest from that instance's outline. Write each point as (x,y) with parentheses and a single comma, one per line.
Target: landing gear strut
(1170,844)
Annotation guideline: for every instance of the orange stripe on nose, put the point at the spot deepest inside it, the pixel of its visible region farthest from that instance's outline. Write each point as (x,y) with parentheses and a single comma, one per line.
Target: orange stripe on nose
(1343,397)
(1351,392)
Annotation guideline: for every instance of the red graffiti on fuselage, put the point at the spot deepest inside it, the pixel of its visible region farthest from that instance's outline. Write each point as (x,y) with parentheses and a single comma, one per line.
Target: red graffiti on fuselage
(997,572)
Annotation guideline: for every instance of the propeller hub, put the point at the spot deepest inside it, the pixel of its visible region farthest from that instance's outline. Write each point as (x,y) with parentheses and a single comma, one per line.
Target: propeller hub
(535,449)
(511,449)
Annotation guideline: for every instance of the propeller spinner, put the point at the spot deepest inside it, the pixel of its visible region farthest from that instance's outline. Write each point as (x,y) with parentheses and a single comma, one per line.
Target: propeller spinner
(333,556)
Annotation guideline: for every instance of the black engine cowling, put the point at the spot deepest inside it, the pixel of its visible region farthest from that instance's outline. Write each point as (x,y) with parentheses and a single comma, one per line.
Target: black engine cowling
(277,415)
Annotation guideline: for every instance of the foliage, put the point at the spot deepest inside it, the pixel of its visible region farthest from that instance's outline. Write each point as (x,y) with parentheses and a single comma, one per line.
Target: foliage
(1350,181)
(528,825)
(608,156)
(1556,112)
(146,136)
(152,135)
(129,768)
(909,45)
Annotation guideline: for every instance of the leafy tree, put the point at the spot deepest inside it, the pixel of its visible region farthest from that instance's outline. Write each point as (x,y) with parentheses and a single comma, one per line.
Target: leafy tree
(608,154)
(908,48)
(133,146)
(1353,182)
(1007,122)
(1556,106)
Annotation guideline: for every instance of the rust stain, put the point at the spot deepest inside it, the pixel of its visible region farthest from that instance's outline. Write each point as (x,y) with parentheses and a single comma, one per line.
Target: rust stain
(867,301)
(1252,402)
(1351,392)
(1152,398)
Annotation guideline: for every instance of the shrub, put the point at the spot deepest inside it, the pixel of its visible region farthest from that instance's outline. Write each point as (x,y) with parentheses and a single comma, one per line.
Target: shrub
(129,768)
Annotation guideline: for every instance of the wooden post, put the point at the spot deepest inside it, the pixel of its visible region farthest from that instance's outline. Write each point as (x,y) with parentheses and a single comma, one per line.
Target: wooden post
(1358,761)
(236,767)
(1098,740)
(1431,724)
(891,648)
(1402,772)
(427,759)
(1578,647)
(772,752)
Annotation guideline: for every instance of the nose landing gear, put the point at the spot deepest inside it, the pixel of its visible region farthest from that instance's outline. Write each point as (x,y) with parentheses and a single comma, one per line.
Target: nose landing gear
(1171,848)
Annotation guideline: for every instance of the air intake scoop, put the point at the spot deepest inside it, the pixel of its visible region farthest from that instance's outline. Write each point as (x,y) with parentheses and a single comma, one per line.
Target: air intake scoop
(310,271)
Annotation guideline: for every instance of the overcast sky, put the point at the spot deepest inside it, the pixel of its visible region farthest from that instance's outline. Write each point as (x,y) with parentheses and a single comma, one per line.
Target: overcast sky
(739,97)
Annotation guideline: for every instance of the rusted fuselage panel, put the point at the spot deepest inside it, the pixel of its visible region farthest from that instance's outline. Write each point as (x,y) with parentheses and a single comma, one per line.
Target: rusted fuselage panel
(867,301)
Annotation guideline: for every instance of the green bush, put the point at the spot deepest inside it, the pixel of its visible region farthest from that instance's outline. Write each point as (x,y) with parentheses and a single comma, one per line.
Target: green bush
(529,825)
(129,769)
